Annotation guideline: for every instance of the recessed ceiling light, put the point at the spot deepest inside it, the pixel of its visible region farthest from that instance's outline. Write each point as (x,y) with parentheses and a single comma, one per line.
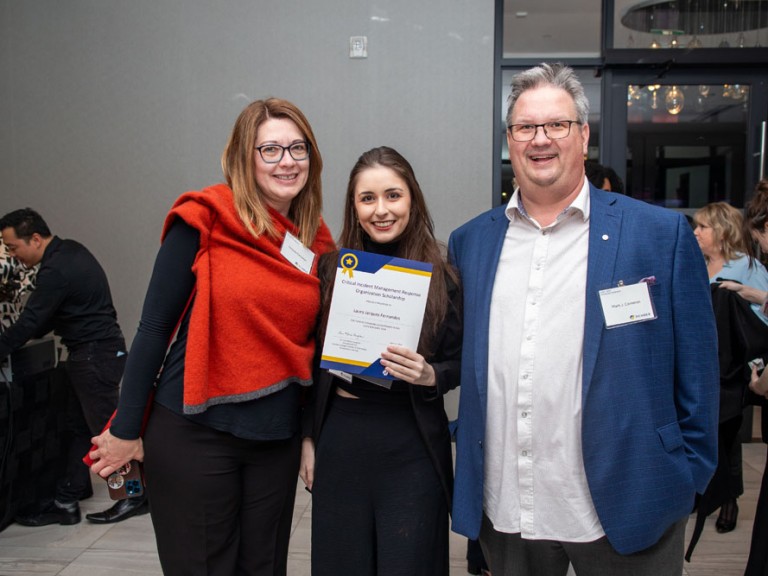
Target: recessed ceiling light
(521,14)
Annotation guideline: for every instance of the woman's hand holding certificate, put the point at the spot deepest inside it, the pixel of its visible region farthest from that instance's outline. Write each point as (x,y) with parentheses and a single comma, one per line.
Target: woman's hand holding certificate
(405,364)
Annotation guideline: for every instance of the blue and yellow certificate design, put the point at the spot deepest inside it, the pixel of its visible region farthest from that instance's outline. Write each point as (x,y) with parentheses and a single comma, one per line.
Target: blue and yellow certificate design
(378,301)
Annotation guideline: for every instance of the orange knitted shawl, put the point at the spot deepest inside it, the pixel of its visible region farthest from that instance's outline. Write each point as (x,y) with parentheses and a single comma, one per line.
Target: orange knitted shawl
(251,330)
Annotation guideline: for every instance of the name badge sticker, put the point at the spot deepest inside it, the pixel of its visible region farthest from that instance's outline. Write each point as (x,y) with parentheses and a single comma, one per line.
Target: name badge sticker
(346,376)
(296,253)
(627,305)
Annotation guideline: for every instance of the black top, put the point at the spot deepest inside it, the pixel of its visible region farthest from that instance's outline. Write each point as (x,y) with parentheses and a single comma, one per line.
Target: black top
(741,337)
(271,417)
(72,298)
(426,402)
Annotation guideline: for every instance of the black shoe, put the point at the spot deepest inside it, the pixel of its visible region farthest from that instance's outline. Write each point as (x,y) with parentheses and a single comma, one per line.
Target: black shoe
(52,514)
(726,520)
(473,568)
(122,510)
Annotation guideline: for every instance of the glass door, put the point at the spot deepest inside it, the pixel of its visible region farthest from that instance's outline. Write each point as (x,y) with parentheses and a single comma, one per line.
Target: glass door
(685,139)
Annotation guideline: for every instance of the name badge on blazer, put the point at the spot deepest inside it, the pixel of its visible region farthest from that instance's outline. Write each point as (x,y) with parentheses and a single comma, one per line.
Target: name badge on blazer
(630,304)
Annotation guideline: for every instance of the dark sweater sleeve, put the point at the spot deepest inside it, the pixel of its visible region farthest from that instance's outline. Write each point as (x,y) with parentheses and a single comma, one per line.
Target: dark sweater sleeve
(447,360)
(169,291)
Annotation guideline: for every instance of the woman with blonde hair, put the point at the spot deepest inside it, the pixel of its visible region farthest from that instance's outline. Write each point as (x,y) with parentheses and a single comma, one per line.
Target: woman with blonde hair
(237,272)
(719,232)
(755,227)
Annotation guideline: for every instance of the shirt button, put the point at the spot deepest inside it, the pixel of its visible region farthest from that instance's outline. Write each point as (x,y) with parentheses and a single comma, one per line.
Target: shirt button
(525,414)
(525,452)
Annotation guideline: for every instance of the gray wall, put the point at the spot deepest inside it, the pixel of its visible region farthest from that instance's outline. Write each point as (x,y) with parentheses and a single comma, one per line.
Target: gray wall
(110,109)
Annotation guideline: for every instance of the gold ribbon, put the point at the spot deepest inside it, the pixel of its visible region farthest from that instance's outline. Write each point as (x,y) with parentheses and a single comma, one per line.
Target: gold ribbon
(348,263)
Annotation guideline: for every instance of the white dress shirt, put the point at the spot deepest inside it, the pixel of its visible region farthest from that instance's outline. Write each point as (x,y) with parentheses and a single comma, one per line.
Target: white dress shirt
(535,482)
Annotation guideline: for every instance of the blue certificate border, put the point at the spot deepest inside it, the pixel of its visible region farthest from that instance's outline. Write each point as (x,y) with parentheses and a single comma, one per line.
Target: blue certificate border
(370,263)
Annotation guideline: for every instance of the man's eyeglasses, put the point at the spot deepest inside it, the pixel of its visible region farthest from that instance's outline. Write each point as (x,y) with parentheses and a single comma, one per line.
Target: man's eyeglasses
(273,153)
(553,130)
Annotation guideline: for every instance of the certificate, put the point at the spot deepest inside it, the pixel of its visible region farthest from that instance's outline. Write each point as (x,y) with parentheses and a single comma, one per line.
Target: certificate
(377,301)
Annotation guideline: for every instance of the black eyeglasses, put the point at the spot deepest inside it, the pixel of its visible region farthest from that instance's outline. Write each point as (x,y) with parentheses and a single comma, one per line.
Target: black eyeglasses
(273,153)
(555,130)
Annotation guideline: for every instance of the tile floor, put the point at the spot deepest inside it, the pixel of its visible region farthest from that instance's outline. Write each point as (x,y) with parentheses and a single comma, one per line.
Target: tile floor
(128,548)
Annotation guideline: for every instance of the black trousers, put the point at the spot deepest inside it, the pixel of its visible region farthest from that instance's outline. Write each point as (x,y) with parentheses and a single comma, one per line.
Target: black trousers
(378,508)
(475,555)
(94,370)
(221,505)
(511,555)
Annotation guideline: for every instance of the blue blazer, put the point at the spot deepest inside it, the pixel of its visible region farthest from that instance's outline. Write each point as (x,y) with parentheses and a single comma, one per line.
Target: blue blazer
(650,390)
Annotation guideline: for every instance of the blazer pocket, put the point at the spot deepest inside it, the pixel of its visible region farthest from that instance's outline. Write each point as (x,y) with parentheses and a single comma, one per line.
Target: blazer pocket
(671,437)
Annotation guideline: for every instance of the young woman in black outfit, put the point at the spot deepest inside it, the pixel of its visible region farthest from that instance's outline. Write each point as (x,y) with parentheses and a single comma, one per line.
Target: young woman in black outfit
(378,461)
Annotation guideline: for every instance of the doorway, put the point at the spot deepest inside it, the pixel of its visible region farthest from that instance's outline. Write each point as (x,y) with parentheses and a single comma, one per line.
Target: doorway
(686,138)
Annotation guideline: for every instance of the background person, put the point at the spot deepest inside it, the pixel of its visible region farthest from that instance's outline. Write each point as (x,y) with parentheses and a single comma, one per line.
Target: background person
(381,486)
(603,177)
(757,562)
(728,255)
(73,299)
(719,234)
(222,443)
(581,440)
(756,227)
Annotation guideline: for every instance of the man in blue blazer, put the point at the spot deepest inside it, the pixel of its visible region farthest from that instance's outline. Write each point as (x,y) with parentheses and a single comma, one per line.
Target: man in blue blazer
(589,391)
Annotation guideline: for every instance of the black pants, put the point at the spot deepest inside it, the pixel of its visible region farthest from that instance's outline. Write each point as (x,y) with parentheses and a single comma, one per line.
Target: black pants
(727,481)
(724,485)
(511,555)
(475,556)
(94,370)
(221,505)
(377,504)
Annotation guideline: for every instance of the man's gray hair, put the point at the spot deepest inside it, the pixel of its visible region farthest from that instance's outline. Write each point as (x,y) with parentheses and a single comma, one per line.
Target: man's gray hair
(557,75)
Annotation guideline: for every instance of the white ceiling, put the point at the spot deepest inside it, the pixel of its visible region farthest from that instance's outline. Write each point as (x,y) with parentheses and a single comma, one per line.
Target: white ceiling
(551,28)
